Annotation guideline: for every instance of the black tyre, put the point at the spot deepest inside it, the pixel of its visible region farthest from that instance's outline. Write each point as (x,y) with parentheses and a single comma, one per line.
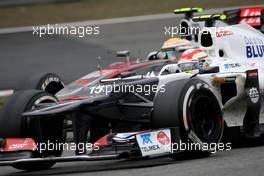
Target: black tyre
(192,106)
(13,124)
(48,82)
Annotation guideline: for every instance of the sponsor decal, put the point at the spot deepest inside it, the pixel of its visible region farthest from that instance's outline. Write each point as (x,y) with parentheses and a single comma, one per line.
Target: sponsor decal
(253,94)
(154,142)
(163,138)
(18,144)
(223,33)
(251,16)
(48,81)
(254,47)
(250,12)
(233,65)
(252,21)
(150,148)
(146,138)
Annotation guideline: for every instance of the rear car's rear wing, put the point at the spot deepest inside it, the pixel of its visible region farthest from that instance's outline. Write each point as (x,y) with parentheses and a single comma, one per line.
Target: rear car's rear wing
(210,19)
(188,11)
(253,16)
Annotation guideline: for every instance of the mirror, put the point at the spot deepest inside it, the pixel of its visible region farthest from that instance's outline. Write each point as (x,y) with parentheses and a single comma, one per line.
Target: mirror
(125,53)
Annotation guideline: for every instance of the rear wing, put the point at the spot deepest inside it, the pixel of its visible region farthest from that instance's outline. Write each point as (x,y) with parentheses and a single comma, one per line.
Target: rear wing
(253,16)
(188,11)
(210,19)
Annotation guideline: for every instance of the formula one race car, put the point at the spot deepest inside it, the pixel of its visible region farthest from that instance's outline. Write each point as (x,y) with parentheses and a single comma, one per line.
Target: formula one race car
(144,116)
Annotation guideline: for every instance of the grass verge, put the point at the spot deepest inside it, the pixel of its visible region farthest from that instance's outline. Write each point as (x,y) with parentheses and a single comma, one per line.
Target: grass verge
(100,9)
(2,100)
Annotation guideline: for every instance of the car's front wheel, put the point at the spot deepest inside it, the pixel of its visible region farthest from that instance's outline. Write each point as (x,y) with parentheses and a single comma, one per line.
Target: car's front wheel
(190,105)
(42,130)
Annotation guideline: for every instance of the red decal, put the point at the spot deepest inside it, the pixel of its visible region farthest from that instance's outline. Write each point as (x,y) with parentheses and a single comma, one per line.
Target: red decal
(102,141)
(74,97)
(252,73)
(223,33)
(118,66)
(253,21)
(250,12)
(163,138)
(82,82)
(19,144)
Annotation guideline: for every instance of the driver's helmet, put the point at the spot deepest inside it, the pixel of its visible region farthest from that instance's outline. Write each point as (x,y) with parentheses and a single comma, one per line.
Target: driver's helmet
(193,59)
(173,47)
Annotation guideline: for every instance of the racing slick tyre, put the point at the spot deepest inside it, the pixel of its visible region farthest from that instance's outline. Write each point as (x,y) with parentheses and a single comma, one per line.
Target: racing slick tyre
(190,105)
(46,130)
(48,82)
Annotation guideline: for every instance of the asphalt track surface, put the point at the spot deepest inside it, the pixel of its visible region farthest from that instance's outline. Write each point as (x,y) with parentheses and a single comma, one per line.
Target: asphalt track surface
(22,54)
(237,162)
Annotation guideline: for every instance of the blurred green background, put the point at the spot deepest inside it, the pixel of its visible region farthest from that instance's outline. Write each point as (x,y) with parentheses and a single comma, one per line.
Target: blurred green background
(78,10)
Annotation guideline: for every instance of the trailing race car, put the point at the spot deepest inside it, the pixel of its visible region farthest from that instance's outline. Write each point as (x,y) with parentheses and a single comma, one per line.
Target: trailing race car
(173,47)
(53,83)
(190,26)
(144,116)
(253,16)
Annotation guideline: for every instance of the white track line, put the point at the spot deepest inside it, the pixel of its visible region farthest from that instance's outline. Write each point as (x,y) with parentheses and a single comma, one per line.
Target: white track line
(116,20)
(4,93)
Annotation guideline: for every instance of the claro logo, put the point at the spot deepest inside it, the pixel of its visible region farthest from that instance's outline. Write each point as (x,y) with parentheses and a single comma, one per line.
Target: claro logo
(163,138)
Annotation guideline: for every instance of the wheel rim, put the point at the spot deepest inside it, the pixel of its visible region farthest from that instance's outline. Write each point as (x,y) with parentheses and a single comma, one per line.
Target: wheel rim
(44,99)
(203,116)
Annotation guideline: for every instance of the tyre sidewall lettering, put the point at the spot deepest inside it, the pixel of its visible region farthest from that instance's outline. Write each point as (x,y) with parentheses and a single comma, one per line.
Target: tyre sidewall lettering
(50,80)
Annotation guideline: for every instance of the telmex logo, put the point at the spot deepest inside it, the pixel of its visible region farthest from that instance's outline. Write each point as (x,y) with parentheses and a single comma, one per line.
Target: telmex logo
(146,138)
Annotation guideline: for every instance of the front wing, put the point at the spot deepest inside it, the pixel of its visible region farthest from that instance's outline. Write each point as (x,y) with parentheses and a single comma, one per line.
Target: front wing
(139,144)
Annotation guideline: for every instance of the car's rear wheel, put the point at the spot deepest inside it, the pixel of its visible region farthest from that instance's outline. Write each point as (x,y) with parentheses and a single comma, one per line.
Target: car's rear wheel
(48,129)
(48,82)
(192,106)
